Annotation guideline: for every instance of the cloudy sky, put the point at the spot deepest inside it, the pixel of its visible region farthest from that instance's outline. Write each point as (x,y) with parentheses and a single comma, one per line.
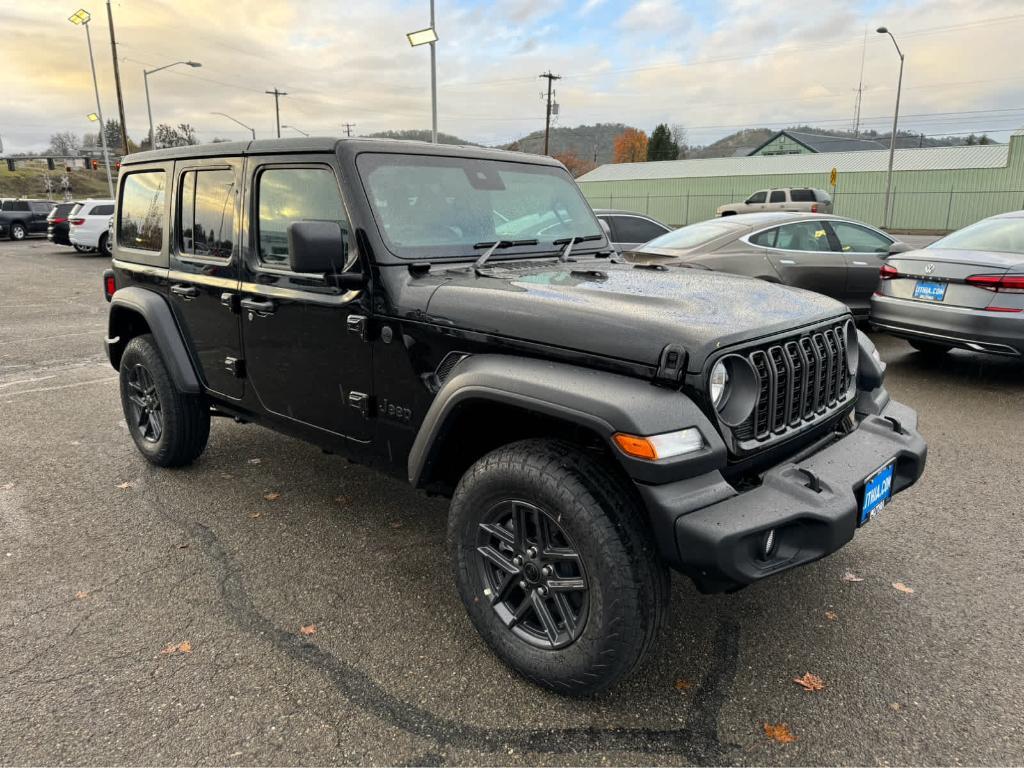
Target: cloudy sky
(711,65)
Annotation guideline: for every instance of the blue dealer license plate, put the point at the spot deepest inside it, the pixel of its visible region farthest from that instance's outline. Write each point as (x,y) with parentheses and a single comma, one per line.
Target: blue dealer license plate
(931,291)
(877,492)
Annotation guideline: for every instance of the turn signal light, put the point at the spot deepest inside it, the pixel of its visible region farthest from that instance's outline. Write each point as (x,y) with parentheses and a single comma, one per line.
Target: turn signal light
(664,446)
(888,272)
(1003,283)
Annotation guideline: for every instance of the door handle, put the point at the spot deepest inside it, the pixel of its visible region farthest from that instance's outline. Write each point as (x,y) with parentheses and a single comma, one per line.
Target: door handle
(860,263)
(786,261)
(261,308)
(185,291)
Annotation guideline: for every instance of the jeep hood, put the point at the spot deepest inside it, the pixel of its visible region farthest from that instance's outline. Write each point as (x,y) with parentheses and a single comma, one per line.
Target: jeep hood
(619,310)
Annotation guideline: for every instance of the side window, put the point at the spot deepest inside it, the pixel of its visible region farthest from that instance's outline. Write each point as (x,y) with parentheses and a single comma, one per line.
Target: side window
(207,213)
(803,236)
(141,220)
(636,230)
(802,196)
(778,196)
(42,207)
(860,239)
(20,205)
(765,239)
(757,197)
(102,210)
(286,195)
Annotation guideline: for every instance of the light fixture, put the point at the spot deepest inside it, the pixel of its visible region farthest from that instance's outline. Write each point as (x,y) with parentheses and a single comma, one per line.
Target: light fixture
(422,37)
(664,446)
(93,116)
(719,383)
(81,16)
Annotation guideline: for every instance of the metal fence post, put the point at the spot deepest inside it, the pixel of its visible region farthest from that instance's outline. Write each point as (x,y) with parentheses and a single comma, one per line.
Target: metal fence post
(686,216)
(647,205)
(949,207)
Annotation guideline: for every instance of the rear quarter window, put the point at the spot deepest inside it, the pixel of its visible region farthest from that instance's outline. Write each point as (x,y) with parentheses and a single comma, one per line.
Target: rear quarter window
(802,196)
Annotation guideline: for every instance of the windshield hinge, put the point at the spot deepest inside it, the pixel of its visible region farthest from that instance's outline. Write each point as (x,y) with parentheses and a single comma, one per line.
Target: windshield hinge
(672,364)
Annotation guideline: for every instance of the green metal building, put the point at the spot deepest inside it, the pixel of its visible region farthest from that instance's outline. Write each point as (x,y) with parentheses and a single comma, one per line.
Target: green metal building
(935,189)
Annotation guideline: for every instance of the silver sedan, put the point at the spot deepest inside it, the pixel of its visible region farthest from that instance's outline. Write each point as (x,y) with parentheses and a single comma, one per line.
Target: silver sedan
(965,290)
(838,257)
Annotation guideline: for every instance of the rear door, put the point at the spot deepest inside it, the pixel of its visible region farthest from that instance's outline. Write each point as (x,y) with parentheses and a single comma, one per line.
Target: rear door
(306,356)
(864,251)
(777,200)
(802,255)
(40,210)
(204,269)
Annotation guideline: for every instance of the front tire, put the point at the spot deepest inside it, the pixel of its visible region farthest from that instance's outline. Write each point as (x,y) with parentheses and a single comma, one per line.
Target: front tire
(930,348)
(170,428)
(18,231)
(555,567)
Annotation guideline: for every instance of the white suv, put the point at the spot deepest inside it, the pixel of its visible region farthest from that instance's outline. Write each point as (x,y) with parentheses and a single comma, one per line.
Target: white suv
(90,224)
(800,199)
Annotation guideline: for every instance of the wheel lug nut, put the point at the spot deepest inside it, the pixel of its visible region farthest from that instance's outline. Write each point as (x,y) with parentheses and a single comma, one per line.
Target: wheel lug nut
(542,589)
(546,570)
(517,560)
(531,552)
(522,585)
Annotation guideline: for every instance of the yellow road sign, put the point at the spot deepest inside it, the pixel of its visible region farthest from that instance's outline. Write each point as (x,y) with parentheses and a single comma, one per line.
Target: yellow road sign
(833,176)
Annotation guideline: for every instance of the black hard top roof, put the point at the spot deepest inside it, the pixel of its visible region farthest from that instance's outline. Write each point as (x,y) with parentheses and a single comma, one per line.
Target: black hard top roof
(329,144)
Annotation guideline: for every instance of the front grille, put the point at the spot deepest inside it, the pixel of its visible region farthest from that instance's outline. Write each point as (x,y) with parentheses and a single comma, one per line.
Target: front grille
(800,380)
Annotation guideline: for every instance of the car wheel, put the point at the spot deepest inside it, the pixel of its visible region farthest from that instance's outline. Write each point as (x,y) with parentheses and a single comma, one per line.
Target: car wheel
(930,348)
(18,231)
(554,566)
(83,248)
(169,427)
(104,246)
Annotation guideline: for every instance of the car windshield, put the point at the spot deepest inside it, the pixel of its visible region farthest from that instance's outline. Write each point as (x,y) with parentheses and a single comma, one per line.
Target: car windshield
(693,235)
(999,234)
(427,206)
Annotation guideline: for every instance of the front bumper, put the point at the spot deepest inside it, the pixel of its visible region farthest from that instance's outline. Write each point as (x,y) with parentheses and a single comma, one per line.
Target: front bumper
(1000,333)
(712,533)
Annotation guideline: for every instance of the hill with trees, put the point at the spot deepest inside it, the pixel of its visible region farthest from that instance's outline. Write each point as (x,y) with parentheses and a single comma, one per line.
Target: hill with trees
(421,134)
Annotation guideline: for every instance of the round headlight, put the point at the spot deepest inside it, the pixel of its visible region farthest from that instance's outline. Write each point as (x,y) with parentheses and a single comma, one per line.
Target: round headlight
(719,384)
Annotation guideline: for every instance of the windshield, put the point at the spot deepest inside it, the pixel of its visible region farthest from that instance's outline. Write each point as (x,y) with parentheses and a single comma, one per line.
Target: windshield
(693,235)
(427,206)
(1003,235)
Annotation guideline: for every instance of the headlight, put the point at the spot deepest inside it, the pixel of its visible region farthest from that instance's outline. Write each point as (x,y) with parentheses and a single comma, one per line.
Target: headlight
(718,384)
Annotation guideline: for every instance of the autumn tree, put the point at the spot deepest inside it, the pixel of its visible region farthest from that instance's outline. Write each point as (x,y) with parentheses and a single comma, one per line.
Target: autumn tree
(576,165)
(630,146)
(662,146)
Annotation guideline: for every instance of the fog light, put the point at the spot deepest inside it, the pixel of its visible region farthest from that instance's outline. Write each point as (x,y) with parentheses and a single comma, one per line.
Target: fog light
(768,544)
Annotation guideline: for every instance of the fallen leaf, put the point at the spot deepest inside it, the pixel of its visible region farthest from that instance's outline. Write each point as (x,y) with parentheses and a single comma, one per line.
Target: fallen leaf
(683,685)
(831,615)
(779,732)
(255,461)
(899,586)
(895,706)
(307,630)
(76,442)
(851,576)
(172,649)
(183,546)
(254,515)
(271,495)
(809,682)
(126,485)
(81,594)
(6,486)
(396,524)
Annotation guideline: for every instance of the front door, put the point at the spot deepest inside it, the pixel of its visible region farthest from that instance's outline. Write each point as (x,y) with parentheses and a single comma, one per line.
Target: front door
(205,269)
(802,255)
(306,357)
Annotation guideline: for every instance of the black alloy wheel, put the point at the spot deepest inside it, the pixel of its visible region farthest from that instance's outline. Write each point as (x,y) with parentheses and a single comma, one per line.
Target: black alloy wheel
(147,416)
(533,574)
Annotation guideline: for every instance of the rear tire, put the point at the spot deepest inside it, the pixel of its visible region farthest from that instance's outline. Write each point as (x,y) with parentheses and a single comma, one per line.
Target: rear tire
(930,348)
(170,428)
(605,593)
(18,231)
(104,245)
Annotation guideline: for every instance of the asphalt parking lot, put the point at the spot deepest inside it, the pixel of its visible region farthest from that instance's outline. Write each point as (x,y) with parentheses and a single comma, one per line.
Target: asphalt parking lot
(156,617)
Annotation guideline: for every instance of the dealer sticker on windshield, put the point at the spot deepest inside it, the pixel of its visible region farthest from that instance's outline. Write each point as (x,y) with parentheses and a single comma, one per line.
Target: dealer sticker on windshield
(877,492)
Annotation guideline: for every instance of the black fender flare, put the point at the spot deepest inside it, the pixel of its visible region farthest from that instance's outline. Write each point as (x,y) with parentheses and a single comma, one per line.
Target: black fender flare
(154,310)
(603,402)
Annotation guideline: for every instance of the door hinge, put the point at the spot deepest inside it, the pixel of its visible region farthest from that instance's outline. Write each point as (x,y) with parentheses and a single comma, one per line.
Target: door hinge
(362,402)
(359,325)
(672,364)
(235,366)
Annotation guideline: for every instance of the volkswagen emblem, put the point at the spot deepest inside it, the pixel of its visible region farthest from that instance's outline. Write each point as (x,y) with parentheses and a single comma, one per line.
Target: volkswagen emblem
(929,268)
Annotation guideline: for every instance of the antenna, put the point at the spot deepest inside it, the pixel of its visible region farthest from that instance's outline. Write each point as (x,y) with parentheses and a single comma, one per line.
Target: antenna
(860,87)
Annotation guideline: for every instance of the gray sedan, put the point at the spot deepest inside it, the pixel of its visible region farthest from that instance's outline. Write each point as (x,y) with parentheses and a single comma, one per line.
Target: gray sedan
(965,290)
(838,257)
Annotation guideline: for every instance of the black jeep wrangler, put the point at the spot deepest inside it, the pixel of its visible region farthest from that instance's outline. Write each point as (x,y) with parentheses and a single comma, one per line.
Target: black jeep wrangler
(457,317)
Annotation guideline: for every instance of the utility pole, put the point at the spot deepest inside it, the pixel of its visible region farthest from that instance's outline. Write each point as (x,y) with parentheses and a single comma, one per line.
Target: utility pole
(277,108)
(348,128)
(117,82)
(860,87)
(433,80)
(547,114)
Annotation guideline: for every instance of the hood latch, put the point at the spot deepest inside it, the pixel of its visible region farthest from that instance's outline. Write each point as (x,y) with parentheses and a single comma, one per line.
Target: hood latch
(672,364)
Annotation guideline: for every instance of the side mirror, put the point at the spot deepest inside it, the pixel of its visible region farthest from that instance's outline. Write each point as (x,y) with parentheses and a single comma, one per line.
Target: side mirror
(316,247)
(899,247)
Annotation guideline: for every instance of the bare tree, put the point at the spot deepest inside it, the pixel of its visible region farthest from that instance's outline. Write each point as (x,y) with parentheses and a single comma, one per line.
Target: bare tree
(678,132)
(65,143)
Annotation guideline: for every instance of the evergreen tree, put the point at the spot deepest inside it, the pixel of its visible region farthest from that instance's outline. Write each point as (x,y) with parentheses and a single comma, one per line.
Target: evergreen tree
(661,145)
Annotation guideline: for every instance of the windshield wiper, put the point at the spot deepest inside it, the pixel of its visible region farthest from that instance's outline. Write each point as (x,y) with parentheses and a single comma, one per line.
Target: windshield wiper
(569,242)
(493,246)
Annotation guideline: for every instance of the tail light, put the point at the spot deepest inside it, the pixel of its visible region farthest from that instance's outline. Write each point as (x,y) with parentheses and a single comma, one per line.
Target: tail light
(888,272)
(57,221)
(77,222)
(998,283)
(814,207)
(109,284)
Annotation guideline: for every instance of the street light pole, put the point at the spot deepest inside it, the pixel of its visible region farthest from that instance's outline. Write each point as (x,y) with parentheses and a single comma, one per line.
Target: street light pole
(145,76)
(895,122)
(433,80)
(229,117)
(82,17)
